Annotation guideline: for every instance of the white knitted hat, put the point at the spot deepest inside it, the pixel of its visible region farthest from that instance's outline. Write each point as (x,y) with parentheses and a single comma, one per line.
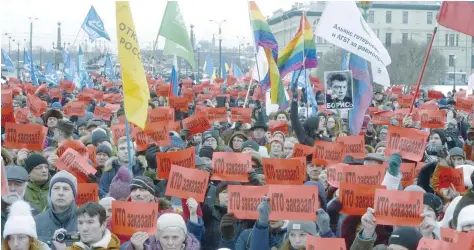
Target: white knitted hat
(448,215)
(171,220)
(465,217)
(20,220)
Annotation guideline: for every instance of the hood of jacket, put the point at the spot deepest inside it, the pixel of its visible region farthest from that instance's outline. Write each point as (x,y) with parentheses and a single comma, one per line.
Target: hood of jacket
(424,176)
(230,144)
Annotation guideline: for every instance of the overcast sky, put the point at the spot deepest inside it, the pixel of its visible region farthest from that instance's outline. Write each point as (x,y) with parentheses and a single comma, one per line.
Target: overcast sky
(147,15)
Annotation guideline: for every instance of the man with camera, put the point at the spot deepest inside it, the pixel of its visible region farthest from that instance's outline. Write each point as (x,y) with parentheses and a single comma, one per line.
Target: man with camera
(61,211)
(92,232)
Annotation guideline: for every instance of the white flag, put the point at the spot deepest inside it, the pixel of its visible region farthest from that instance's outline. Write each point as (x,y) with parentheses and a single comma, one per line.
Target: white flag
(380,74)
(342,25)
(470,84)
(262,63)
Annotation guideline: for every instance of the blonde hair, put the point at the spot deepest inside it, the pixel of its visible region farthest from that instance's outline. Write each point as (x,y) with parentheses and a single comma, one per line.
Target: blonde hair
(34,244)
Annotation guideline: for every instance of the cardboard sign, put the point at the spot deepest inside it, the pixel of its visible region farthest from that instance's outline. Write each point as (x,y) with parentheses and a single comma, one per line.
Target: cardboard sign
(29,136)
(243,200)
(318,243)
(228,166)
(163,90)
(453,236)
(36,106)
(411,143)
(158,133)
(241,114)
(21,115)
(430,105)
(118,130)
(465,105)
(103,113)
(77,145)
(55,93)
(184,158)
(87,192)
(397,90)
(382,117)
(335,174)
(454,176)
(398,208)
(432,118)
(355,145)
(160,114)
(178,103)
(460,94)
(284,171)
(75,164)
(113,107)
(372,110)
(91,149)
(328,152)
(369,175)
(7,116)
(217,114)
(7,98)
(142,140)
(405,100)
(67,86)
(431,244)
(75,109)
(84,97)
(408,171)
(293,202)
(187,183)
(131,217)
(301,150)
(174,126)
(435,95)
(196,124)
(275,126)
(356,198)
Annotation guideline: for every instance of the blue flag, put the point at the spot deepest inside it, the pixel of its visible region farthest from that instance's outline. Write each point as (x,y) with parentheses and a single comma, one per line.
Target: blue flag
(209,66)
(363,90)
(304,82)
(65,55)
(223,69)
(26,61)
(174,88)
(68,69)
(50,74)
(237,72)
(7,61)
(109,69)
(33,70)
(93,26)
(82,74)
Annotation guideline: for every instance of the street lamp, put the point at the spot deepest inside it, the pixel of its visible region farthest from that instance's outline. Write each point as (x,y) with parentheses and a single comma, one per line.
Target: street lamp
(240,44)
(454,69)
(18,60)
(220,44)
(9,45)
(32,19)
(198,50)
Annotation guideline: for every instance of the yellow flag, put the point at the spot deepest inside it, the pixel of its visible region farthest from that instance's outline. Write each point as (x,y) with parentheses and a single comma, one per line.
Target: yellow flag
(135,87)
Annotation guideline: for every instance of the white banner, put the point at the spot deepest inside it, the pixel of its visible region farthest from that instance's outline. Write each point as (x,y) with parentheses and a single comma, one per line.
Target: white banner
(470,84)
(380,74)
(342,25)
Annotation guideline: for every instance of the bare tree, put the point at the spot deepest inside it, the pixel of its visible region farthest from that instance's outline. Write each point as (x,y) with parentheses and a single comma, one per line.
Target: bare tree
(407,61)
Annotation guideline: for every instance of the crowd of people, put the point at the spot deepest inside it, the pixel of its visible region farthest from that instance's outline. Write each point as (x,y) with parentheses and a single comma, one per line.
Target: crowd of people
(39,211)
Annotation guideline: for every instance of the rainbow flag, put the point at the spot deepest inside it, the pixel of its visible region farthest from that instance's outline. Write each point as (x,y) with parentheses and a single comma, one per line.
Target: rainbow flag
(302,46)
(263,37)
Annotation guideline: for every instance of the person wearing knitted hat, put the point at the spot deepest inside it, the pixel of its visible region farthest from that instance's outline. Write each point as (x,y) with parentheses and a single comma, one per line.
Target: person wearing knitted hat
(380,148)
(210,138)
(20,229)
(38,185)
(113,164)
(120,186)
(236,141)
(61,212)
(457,157)
(94,123)
(81,127)
(250,146)
(102,154)
(298,232)
(142,189)
(206,153)
(99,136)
(176,144)
(172,233)
(279,136)
(276,148)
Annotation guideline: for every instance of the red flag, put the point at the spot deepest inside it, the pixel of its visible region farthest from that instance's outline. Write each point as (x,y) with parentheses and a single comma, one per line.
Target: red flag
(457,16)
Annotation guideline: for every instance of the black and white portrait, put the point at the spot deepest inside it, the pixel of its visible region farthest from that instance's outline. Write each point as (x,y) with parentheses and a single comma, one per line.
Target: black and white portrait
(339,88)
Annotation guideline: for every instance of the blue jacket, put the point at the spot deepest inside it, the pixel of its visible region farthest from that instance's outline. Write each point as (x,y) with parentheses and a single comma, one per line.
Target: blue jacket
(111,168)
(48,222)
(259,238)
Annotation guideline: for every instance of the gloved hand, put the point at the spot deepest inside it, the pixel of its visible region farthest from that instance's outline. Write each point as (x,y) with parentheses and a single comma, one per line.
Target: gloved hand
(184,134)
(150,156)
(91,179)
(323,221)
(227,226)
(253,178)
(394,163)
(264,210)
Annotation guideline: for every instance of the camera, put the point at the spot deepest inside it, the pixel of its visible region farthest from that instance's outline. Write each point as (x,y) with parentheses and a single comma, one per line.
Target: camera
(64,236)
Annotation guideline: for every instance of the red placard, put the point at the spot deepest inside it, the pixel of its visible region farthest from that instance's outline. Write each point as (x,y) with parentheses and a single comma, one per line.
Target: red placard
(75,164)
(178,103)
(434,94)
(158,133)
(227,166)
(432,118)
(398,208)
(452,176)
(103,113)
(318,243)
(335,174)
(36,106)
(397,90)
(77,145)
(243,200)
(217,114)
(405,100)
(328,152)
(301,150)
(382,117)
(356,198)
(465,105)
(21,115)
(241,114)
(196,124)
(284,171)
(67,85)
(281,126)
(184,158)
(187,183)
(118,130)
(355,145)
(163,90)
(87,192)
(75,108)
(29,136)
(411,143)
(131,217)
(293,202)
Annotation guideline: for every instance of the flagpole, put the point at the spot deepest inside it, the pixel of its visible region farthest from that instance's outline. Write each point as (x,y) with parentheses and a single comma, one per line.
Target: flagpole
(424,66)
(129,146)
(303,20)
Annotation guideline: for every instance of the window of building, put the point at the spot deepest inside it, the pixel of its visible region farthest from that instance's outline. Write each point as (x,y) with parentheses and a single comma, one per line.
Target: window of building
(428,38)
(429,17)
(319,40)
(404,37)
(457,40)
(388,17)
(405,17)
(370,18)
(472,61)
(446,38)
(320,55)
(451,60)
(451,40)
(388,39)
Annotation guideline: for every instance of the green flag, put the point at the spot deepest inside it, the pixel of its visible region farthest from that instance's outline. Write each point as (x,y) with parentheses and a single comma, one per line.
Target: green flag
(174,30)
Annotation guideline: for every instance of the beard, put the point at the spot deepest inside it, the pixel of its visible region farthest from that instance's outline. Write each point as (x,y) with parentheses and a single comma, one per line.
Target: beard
(11,198)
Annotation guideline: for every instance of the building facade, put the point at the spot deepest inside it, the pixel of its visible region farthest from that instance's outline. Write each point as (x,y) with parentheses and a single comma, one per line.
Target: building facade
(393,22)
